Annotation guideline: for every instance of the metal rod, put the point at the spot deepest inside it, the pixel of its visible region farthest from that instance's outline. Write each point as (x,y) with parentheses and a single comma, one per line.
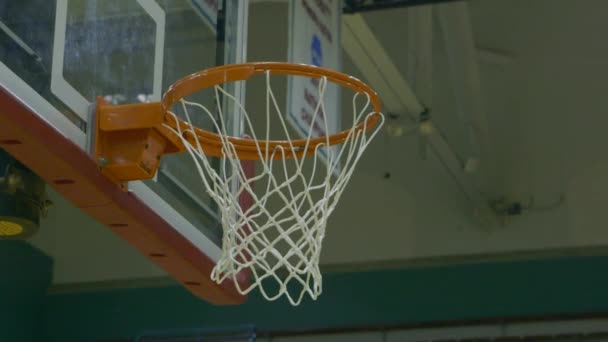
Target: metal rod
(366,6)
(20,42)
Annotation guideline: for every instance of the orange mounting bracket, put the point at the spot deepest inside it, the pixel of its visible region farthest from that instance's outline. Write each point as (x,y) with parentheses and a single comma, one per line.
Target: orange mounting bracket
(130,140)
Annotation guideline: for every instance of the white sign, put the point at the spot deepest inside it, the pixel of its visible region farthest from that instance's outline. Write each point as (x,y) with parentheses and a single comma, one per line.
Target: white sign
(207,9)
(314,39)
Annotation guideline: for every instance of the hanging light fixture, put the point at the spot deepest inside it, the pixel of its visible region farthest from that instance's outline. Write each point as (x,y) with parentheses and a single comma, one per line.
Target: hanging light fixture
(22,199)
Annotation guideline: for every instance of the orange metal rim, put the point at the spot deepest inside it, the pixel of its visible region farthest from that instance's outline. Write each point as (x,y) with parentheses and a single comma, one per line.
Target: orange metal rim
(248,148)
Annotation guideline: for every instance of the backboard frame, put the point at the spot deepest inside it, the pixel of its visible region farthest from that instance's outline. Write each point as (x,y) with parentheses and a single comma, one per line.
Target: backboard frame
(42,138)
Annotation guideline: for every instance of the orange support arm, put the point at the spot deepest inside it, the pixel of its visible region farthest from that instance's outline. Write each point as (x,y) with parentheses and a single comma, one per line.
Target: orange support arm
(130,140)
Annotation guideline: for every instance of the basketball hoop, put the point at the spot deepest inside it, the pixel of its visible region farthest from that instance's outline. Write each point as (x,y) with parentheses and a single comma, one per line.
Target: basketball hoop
(278,238)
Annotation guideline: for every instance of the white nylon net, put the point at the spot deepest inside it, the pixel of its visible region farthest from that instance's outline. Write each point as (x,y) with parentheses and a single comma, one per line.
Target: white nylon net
(278,239)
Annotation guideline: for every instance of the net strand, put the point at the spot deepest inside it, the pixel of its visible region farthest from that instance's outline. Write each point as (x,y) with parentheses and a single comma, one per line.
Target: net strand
(278,238)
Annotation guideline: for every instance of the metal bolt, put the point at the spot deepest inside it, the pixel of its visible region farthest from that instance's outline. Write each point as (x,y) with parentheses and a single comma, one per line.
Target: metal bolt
(102,161)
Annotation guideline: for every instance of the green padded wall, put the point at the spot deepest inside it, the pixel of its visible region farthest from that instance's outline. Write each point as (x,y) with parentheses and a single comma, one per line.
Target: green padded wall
(478,291)
(25,274)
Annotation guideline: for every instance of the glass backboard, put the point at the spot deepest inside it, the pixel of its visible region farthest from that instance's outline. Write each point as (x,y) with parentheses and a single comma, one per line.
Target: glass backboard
(58,56)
